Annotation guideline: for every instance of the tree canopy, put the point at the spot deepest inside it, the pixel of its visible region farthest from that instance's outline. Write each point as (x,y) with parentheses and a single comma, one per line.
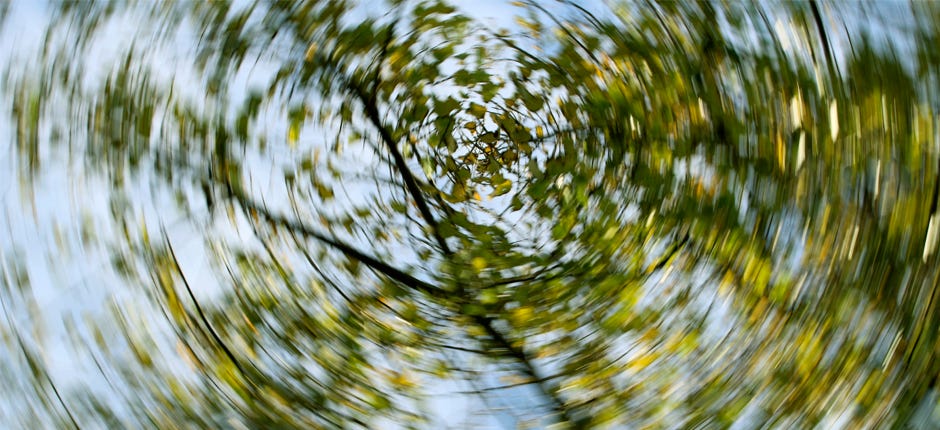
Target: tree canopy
(633,215)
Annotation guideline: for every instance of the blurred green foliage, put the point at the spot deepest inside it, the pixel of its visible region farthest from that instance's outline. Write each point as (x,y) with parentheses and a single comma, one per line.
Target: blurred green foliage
(654,215)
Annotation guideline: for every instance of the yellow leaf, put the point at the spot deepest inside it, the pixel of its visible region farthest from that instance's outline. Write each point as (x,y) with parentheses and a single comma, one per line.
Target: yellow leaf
(477,110)
(642,362)
(402,380)
(833,120)
(311,51)
(479,263)
(293,134)
(522,314)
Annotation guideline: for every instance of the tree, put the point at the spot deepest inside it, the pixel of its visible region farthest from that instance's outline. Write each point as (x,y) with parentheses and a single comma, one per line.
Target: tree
(658,214)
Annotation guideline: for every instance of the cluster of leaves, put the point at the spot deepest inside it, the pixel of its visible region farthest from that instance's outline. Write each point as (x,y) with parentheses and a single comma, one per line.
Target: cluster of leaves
(658,215)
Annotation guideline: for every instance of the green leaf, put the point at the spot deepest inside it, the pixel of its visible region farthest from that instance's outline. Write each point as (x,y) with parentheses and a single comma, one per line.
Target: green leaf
(502,188)
(477,110)
(445,107)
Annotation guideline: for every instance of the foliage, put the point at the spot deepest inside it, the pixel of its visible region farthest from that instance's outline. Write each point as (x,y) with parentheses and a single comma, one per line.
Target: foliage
(655,215)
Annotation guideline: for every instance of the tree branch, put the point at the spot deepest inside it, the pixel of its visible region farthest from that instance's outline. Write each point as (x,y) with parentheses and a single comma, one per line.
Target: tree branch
(528,368)
(824,38)
(411,184)
(517,353)
(250,206)
(202,315)
(676,246)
